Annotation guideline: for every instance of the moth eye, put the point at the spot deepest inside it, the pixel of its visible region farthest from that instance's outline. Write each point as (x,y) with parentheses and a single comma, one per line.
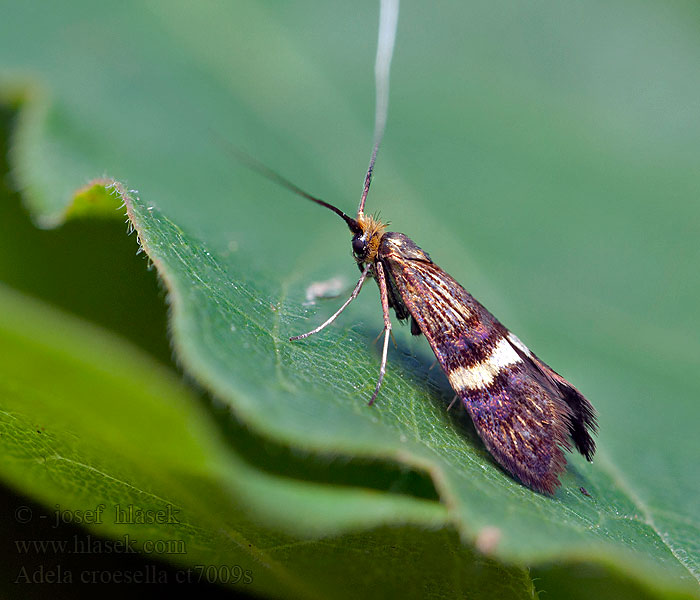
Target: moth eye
(359,246)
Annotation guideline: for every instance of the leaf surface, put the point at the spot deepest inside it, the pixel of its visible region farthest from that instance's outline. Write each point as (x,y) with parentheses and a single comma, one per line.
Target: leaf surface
(543,156)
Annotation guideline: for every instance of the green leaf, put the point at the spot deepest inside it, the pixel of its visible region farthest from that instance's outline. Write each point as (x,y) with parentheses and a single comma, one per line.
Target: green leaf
(89,423)
(568,134)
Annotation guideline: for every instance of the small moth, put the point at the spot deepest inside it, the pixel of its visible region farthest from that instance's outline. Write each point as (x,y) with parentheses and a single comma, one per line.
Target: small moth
(525,413)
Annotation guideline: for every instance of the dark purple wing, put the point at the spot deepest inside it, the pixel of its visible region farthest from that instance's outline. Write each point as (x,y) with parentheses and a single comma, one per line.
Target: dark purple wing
(524,411)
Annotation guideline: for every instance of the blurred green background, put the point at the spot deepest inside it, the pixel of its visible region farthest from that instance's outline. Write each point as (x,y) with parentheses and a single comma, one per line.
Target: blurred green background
(545,154)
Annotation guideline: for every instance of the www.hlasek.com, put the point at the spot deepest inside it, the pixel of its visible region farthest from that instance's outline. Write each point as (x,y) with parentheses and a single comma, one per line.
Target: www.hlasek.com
(88,544)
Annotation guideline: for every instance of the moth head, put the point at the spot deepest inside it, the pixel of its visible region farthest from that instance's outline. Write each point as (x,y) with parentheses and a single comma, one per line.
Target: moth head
(365,242)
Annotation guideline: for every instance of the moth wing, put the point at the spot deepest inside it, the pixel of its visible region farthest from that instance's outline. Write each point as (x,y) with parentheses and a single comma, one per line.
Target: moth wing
(583,420)
(522,421)
(523,411)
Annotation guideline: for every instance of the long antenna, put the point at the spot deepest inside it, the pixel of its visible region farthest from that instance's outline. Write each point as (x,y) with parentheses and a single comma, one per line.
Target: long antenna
(388,19)
(261,169)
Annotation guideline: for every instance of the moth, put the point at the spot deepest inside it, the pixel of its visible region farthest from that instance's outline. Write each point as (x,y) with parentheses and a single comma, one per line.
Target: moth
(525,412)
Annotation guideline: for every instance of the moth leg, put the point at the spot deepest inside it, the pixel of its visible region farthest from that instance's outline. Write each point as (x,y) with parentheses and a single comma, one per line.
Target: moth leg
(393,340)
(384,296)
(453,402)
(354,295)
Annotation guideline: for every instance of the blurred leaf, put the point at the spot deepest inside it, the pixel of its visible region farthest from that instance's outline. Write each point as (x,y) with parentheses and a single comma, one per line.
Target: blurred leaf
(571,131)
(87,267)
(88,420)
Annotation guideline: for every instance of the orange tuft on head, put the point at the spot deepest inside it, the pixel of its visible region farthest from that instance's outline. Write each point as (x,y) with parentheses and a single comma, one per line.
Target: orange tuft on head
(372,232)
